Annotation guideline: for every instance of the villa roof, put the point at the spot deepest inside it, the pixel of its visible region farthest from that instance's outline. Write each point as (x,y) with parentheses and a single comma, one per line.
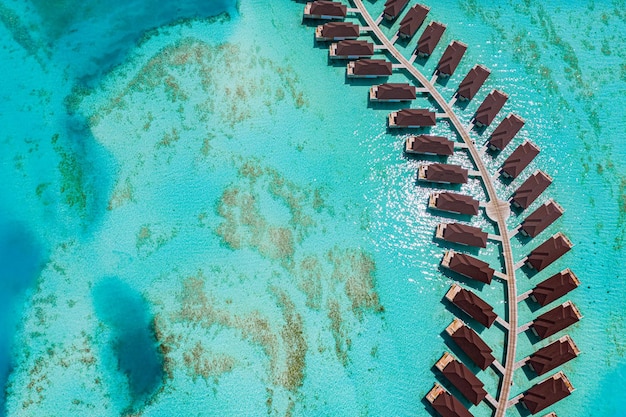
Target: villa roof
(472,82)
(465,381)
(328,8)
(416,117)
(473,346)
(430,38)
(547,393)
(354,47)
(532,188)
(471,267)
(552,356)
(446,405)
(428,144)
(519,159)
(394,7)
(372,67)
(396,91)
(490,107)
(549,251)
(465,234)
(457,203)
(340,30)
(451,57)
(541,218)
(555,320)
(506,131)
(413,19)
(454,174)
(473,306)
(555,287)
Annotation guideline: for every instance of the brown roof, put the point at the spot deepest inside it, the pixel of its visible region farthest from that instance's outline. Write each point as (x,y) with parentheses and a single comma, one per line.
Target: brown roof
(519,159)
(552,356)
(354,47)
(472,82)
(555,287)
(416,117)
(547,393)
(451,57)
(465,381)
(475,307)
(490,107)
(457,203)
(549,251)
(328,8)
(471,267)
(428,144)
(531,189)
(473,346)
(430,38)
(372,67)
(396,91)
(413,20)
(541,218)
(453,174)
(334,30)
(556,320)
(446,405)
(506,131)
(465,235)
(394,7)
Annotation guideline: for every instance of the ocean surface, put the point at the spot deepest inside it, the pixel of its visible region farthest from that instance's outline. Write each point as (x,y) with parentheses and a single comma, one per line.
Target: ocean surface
(201,216)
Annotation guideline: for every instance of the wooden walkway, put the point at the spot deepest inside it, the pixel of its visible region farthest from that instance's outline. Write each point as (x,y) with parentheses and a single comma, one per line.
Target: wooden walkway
(496,211)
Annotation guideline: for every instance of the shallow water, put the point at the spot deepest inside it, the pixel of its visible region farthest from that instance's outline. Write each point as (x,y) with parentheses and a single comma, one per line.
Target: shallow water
(270,249)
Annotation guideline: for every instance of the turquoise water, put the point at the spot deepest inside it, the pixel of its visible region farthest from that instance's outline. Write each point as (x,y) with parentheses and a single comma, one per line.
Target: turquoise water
(200,215)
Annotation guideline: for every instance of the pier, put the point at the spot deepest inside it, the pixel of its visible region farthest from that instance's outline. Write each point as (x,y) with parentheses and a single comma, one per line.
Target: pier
(495,209)
(498,210)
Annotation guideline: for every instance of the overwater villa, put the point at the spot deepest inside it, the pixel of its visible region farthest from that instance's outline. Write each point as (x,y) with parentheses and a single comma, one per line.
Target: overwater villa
(451,58)
(540,219)
(461,378)
(429,145)
(547,393)
(442,174)
(393,92)
(369,68)
(554,287)
(412,21)
(472,82)
(548,252)
(454,203)
(445,404)
(468,266)
(414,118)
(472,305)
(519,159)
(555,320)
(429,39)
(530,189)
(552,356)
(393,8)
(325,10)
(505,132)
(489,108)
(462,234)
(351,49)
(336,31)
(471,344)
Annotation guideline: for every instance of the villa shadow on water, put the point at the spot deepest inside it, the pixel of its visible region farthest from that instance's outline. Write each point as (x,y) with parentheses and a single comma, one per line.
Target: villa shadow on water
(134,345)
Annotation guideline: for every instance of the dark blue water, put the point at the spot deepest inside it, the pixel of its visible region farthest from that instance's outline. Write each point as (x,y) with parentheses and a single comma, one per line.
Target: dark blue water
(127,315)
(21,259)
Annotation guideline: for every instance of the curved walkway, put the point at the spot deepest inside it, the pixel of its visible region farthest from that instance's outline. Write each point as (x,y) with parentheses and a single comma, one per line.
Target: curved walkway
(496,208)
